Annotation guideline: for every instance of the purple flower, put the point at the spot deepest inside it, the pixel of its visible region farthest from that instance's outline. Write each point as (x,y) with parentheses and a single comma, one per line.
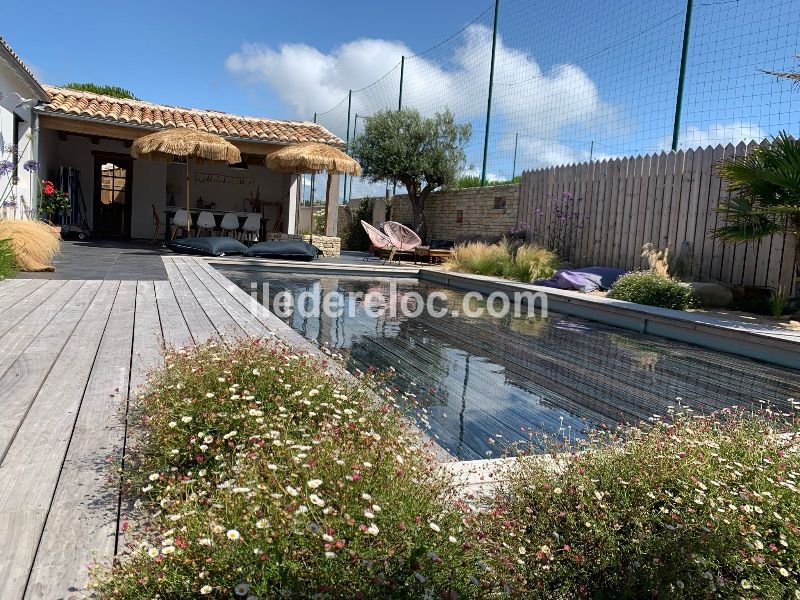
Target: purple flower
(6,166)
(10,148)
(32,166)
(567,196)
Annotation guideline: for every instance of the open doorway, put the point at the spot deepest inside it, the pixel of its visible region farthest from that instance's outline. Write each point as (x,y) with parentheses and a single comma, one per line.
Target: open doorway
(113,181)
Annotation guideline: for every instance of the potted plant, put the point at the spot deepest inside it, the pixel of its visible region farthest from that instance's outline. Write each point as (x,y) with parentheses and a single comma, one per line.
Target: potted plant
(52,202)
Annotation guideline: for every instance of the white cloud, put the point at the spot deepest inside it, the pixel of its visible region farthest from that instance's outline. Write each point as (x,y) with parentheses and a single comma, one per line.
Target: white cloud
(716,133)
(526,98)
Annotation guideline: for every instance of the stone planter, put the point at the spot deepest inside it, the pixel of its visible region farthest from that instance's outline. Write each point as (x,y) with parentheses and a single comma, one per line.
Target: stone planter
(330,246)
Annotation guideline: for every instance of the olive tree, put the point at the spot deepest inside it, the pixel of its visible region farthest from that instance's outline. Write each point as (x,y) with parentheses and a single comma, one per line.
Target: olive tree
(422,153)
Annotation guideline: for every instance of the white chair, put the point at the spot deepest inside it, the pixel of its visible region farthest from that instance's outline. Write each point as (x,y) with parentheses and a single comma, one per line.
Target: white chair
(251,228)
(181,220)
(230,224)
(205,222)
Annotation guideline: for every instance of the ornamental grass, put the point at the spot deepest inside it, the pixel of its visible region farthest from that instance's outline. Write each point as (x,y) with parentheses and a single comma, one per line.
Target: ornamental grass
(33,243)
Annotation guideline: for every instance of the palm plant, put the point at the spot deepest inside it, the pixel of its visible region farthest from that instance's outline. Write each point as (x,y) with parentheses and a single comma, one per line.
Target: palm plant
(765,199)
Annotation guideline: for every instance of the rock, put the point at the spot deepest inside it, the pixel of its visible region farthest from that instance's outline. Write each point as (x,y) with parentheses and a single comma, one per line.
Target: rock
(712,295)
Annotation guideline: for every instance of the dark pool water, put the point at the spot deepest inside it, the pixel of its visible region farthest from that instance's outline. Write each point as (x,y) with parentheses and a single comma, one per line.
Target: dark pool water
(485,385)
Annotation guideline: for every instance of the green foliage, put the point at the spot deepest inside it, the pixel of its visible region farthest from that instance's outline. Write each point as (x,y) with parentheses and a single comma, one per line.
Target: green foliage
(653,289)
(260,468)
(104,90)
(692,507)
(318,224)
(422,153)
(8,264)
(777,302)
(505,259)
(765,186)
(471,181)
(355,238)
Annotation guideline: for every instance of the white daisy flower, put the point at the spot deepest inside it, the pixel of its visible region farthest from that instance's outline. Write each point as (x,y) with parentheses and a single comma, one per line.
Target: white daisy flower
(233,535)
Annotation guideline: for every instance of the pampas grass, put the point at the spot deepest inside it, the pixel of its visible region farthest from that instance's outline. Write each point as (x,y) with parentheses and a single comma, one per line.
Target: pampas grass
(503,259)
(33,243)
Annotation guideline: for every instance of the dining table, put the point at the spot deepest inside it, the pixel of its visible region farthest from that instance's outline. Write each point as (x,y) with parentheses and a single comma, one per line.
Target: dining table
(169,212)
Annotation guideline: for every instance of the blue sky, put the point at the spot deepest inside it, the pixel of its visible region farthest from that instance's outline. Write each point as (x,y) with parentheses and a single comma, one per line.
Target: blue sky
(177,55)
(579,79)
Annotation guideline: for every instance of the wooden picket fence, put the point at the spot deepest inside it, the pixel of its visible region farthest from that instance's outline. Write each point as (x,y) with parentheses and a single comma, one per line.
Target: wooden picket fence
(602,213)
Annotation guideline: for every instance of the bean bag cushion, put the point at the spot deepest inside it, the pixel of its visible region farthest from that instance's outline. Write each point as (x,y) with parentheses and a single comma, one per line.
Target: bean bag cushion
(587,279)
(207,246)
(286,249)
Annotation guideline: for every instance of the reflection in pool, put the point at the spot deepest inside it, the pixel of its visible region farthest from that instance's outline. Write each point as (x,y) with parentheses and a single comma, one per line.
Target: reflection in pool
(484,384)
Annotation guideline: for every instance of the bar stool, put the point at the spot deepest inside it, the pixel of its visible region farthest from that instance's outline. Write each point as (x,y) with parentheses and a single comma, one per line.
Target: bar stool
(205,222)
(230,224)
(181,220)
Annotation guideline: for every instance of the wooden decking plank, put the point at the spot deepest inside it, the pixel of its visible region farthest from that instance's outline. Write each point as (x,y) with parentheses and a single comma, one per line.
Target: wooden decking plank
(18,293)
(30,470)
(219,317)
(83,516)
(18,336)
(222,292)
(6,285)
(199,324)
(176,331)
(23,376)
(272,323)
(19,309)
(147,338)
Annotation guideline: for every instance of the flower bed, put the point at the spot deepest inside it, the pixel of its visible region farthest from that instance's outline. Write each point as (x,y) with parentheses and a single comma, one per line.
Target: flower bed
(264,476)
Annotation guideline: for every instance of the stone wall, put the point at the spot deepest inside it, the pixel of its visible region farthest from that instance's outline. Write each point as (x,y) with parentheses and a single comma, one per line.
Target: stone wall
(330,246)
(487,212)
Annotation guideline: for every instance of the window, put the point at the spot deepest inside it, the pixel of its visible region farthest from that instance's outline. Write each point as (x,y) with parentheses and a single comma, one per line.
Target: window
(499,202)
(459,216)
(112,184)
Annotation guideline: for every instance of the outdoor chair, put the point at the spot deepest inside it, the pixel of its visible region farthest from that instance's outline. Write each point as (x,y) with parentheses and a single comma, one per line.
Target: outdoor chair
(251,227)
(181,220)
(402,238)
(230,225)
(378,240)
(156,223)
(205,222)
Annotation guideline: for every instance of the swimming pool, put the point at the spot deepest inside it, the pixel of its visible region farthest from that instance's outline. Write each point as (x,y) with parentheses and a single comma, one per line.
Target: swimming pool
(482,385)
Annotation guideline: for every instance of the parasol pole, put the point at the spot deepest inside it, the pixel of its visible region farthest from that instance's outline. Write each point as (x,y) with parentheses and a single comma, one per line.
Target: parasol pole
(188,216)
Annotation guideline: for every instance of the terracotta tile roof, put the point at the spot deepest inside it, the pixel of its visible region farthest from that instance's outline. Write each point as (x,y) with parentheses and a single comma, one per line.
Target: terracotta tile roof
(26,73)
(145,114)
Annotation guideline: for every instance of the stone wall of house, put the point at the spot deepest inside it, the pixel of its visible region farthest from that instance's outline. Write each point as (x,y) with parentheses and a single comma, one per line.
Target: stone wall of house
(330,246)
(452,214)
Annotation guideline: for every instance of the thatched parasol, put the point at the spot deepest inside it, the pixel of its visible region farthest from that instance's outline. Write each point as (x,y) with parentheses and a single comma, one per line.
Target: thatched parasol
(186,143)
(312,157)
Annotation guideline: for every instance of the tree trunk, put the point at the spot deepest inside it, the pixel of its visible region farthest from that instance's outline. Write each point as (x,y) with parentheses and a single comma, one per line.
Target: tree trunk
(417,198)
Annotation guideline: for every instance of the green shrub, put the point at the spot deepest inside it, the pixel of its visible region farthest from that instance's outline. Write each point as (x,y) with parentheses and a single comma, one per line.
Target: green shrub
(519,262)
(698,508)
(8,264)
(260,469)
(652,289)
(355,238)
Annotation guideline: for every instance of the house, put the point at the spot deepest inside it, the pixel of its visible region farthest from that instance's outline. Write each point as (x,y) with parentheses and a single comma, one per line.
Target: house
(19,93)
(92,134)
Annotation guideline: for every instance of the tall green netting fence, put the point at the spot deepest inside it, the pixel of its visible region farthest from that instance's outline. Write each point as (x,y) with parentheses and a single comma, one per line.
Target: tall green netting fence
(576,81)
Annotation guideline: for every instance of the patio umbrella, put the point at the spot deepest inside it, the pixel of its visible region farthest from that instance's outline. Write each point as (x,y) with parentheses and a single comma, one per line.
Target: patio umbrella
(312,157)
(187,143)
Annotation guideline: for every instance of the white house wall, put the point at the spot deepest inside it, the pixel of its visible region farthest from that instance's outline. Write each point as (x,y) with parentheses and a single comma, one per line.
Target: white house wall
(12,91)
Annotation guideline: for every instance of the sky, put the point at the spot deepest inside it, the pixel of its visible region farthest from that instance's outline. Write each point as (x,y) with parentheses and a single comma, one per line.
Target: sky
(574,80)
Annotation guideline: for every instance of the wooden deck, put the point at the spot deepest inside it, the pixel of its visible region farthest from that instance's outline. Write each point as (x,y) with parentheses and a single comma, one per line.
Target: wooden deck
(70,352)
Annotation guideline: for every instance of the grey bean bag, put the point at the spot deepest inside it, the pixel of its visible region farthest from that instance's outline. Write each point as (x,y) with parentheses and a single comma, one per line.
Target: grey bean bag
(207,246)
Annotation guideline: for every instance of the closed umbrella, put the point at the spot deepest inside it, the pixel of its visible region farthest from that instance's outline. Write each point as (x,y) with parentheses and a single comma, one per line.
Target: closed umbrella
(186,143)
(312,157)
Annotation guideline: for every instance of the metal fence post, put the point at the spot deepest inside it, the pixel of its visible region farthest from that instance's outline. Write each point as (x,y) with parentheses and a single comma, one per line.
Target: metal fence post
(355,126)
(311,191)
(400,104)
(347,142)
(687,26)
(489,101)
(514,168)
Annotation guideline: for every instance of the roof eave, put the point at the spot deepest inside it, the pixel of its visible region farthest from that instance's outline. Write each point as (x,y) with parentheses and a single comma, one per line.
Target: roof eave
(21,72)
(150,128)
